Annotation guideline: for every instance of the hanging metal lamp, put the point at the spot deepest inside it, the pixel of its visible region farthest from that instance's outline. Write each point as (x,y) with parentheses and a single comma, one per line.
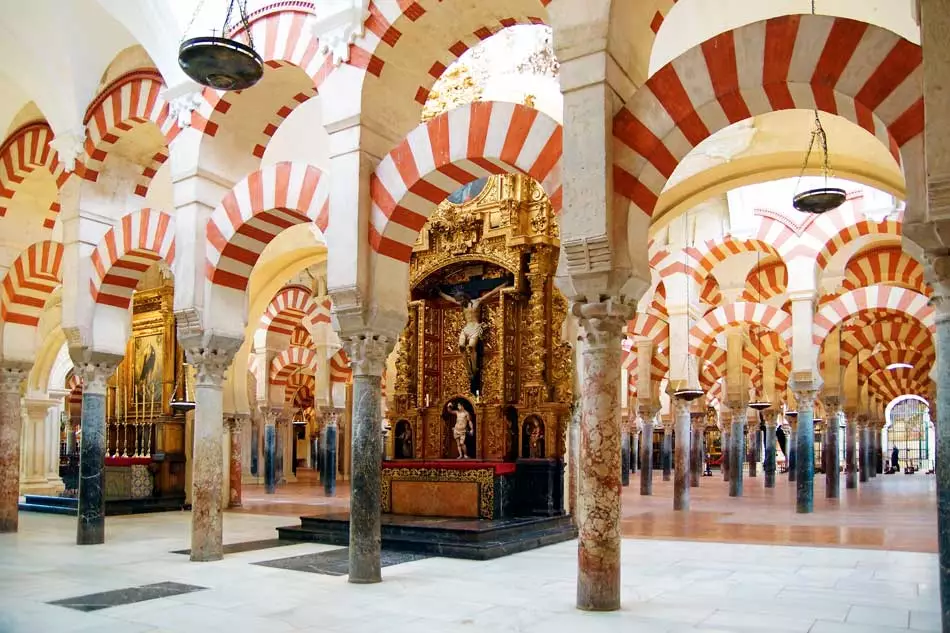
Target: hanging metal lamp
(689,392)
(183,398)
(223,63)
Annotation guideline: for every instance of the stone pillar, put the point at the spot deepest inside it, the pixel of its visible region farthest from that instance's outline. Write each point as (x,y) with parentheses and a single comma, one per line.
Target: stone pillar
(864,454)
(737,410)
(792,443)
(851,451)
(683,433)
(698,450)
(624,456)
(210,356)
(832,450)
(91,526)
(635,449)
(270,451)
(752,449)
(234,425)
(328,476)
(771,446)
(647,414)
(805,446)
(666,457)
(367,354)
(877,465)
(573,440)
(725,439)
(598,545)
(12,376)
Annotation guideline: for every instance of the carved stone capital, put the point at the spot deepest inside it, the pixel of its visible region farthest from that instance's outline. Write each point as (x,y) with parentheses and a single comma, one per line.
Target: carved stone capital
(832,404)
(680,407)
(211,356)
(368,353)
(339,23)
(182,106)
(94,375)
(12,375)
(647,413)
(69,146)
(602,322)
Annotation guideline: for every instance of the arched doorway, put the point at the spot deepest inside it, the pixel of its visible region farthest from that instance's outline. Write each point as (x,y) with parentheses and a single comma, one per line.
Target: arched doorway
(909,428)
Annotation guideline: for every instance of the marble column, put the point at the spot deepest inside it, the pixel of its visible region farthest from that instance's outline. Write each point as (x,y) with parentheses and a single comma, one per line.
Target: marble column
(234,425)
(279,441)
(573,444)
(791,442)
(851,452)
(737,450)
(635,450)
(328,475)
(646,451)
(270,452)
(368,359)
(805,447)
(725,439)
(666,457)
(941,417)
(832,450)
(877,459)
(681,471)
(698,450)
(210,356)
(752,449)
(624,456)
(598,545)
(771,446)
(863,452)
(90,529)
(12,376)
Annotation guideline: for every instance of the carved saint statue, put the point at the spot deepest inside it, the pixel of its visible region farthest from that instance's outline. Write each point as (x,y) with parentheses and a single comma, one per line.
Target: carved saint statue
(463,427)
(473,329)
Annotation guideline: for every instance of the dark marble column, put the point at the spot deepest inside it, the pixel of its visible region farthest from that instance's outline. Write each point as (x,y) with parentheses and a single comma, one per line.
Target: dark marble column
(279,429)
(635,449)
(725,442)
(210,356)
(328,476)
(875,432)
(12,376)
(805,447)
(864,454)
(698,450)
(367,354)
(832,450)
(666,451)
(851,450)
(941,416)
(598,541)
(624,456)
(91,526)
(737,450)
(270,452)
(752,450)
(681,421)
(646,451)
(792,443)
(771,446)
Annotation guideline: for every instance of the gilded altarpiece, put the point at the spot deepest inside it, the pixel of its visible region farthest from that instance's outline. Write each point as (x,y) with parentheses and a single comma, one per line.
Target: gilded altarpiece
(494,244)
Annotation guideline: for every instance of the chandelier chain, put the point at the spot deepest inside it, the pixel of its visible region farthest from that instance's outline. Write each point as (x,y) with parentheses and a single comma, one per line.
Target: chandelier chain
(191,22)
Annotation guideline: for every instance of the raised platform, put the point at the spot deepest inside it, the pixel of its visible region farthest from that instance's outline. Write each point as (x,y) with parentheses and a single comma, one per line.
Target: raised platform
(114,507)
(474,539)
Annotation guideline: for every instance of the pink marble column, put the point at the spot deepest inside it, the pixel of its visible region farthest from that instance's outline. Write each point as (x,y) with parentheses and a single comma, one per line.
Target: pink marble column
(12,376)
(210,356)
(235,425)
(598,497)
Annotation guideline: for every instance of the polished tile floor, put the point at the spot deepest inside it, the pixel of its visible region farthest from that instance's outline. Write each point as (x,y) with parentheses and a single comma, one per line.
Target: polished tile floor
(668,586)
(896,512)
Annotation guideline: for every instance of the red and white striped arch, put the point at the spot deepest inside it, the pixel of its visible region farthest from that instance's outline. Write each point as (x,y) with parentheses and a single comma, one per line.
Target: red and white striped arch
(903,334)
(452,150)
(340,370)
(319,312)
(283,36)
(885,265)
(710,294)
(740,313)
(301,338)
(131,100)
(126,251)
(28,284)
(709,254)
(25,150)
(900,382)
(287,309)
(863,73)
(258,208)
(766,281)
(881,360)
(289,361)
(843,232)
(297,382)
(890,298)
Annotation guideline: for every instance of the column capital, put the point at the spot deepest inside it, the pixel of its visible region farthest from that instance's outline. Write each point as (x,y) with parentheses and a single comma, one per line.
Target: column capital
(12,375)
(647,411)
(211,356)
(680,406)
(832,404)
(368,352)
(95,371)
(602,322)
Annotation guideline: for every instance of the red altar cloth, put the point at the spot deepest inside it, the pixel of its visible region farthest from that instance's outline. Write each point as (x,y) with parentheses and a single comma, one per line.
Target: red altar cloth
(127,461)
(500,468)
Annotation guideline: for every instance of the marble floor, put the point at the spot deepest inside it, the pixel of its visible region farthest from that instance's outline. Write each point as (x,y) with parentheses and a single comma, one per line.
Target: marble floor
(668,586)
(896,512)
